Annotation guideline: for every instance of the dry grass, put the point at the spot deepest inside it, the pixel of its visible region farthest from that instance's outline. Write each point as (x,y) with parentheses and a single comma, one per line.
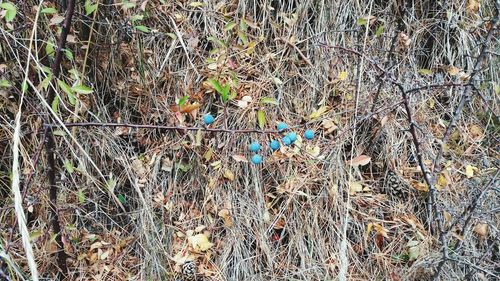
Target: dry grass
(282,220)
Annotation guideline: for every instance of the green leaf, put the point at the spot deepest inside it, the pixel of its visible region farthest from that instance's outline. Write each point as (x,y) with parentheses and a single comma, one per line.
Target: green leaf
(49,49)
(111,184)
(183,100)
(232,96)
(59,133)
(10,9)
(136,18)
(5,84)
(261,118)
(55,104)
(49,10)
(230,25)
(121,197)
(127,5)
(67,89)
(81,196)
(89,7)
(267,100)
(82,89)
(217,41)
(225,93)
(24,86)
(216,85)
(243,37)
(380,30)
(68,166)
(171,35)
(142,28)
(362,21)
(68,54)
(46,81)
(424,71)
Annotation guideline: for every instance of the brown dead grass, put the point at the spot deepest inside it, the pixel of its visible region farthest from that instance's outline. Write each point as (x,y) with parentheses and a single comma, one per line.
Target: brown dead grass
(284,219)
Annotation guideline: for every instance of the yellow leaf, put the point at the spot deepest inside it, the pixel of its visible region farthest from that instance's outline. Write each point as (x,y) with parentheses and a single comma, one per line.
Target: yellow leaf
(380,230)
(342,75)
(313,150)
(441,182)
(421,186)
(469,171)
(228,174)
(196,4)
(317,113)
(200,242)
(217,164)
(355,187)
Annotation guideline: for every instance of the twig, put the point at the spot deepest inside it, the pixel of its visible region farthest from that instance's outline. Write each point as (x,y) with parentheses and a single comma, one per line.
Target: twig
(159,127)
(50,145)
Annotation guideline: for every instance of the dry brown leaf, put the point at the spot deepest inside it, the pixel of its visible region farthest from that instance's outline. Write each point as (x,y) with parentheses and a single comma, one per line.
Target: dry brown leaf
(228,174)
(453,70)
(481,229)
(359,160)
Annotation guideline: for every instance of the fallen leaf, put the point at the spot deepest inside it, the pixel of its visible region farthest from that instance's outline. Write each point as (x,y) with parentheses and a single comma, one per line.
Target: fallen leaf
(481,229)
(228,174)
(200,242)
(421,186)
(342,75)
(329,126)
(317,113)
(359,160)
(226,216)
(355,187)
(441,182)
(453,70)
(240,158)
(470,170)
(313,150)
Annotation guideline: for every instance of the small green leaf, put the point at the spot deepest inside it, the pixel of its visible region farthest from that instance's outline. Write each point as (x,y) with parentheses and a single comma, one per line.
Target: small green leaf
(216,85)
(24,86)
(171,35)
(267,100)
(5,83)
(82,89)
(55,104)
(142,28)
(217,41)
(232,96)
(49,10)
(89,7)
(362,21)
(46,81)
(59,133)
(67,89)
(81,196)
(121,197)
(136,18)
(380,30)
(68,54)
(225,93)
(49,49)
(261,118)
(127,5)
(10,11)
(243,37)
(230,25)
(424,71)
(111,184)
(68,166)
(183,100)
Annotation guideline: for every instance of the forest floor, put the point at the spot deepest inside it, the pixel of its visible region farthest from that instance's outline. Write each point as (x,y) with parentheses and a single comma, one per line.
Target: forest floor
(399,182)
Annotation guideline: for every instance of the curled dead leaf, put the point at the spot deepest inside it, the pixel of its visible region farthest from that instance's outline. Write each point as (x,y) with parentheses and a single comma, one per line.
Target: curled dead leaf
(359,160)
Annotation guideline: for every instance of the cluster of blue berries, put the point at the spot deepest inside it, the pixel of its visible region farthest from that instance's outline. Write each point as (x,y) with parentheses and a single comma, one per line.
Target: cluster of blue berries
(287,140)
(254,147)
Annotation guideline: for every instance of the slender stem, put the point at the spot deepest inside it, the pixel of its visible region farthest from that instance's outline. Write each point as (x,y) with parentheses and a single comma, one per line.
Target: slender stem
(51,146)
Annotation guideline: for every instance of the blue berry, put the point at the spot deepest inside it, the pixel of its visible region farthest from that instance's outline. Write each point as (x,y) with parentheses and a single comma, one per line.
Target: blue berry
(208,119)
(286,140)
(254,146)
(256,159)
(309,134)
(282,126)
(275,145)
(292,136)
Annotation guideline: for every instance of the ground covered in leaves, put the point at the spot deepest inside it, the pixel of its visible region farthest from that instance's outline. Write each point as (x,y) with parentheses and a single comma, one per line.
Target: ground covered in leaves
(157,203)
